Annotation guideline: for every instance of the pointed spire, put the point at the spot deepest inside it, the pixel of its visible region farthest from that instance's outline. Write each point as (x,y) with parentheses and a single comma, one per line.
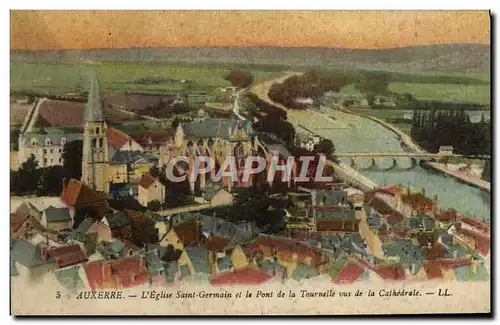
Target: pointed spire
(93,109)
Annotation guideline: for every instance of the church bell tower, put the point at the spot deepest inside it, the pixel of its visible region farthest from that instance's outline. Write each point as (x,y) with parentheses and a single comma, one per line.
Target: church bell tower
(95,141)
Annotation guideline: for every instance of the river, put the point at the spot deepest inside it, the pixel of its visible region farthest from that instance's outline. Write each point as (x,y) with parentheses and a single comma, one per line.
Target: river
(351,133)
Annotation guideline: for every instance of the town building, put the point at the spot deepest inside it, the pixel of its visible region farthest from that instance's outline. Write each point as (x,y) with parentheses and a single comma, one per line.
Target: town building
(57,218)
(150,189)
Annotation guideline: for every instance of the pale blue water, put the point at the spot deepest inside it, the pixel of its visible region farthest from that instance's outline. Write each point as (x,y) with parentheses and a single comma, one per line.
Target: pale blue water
(367,136)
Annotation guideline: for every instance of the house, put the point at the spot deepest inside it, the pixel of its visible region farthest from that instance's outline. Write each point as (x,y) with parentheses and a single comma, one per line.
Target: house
(250,275)
(116,274)
(154,141)
(213,226)
(125,166)
(239,259)
(116,249)
(150,189)
(46,147)
(27,262)
(83,201)
(119,140)
(216,195)
(119,224)
(143,228)
(446,150)
(346,272)
(286,251)
(155,266)
(184,235)
(65,255)
(122,190)
(393,272)
(57,218)
(195,261)
(24,221)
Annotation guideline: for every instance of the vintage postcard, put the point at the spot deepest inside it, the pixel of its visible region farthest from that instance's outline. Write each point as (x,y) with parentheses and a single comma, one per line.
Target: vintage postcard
(250,162)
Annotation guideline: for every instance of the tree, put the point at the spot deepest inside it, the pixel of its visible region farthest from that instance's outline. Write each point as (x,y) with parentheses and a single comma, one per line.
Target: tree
(326,147)
(155,205)
(240,79)
(28,177)
(72,159)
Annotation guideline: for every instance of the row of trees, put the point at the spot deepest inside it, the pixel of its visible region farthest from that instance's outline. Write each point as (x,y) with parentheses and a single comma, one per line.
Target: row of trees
(309,85)
(432,129)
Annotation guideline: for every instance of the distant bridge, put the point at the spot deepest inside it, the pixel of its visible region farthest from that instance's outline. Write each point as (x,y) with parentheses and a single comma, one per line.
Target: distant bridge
(416,159)
(406,154)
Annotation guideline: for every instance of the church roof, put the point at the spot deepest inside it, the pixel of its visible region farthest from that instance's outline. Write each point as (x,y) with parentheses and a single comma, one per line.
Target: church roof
(210,128)
(93,109)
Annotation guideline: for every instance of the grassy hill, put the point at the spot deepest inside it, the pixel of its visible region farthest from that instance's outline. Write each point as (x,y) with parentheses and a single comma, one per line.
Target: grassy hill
(472,57)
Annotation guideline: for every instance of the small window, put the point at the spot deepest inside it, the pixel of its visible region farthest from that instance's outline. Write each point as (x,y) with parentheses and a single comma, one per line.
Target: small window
(51,161)
(51,150)
(60,150)
(44,150)
(156,186)
(130,142)
(60,160)
(44,160)
(94,143)
(97,130)
(101,143)
(34,142)
(48,142)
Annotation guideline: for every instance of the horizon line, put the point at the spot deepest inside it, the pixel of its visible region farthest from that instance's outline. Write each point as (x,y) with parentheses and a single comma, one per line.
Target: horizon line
(245,46)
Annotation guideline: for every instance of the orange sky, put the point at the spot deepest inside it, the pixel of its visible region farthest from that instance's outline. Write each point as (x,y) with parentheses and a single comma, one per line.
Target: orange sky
(349,29)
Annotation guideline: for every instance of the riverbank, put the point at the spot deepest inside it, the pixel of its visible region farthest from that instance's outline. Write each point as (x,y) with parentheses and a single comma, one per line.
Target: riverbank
(405,138)
(413,147)
(461,176)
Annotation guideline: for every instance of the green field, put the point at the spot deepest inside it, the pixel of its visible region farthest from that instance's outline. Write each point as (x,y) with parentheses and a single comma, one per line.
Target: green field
(479,94)
(119,76)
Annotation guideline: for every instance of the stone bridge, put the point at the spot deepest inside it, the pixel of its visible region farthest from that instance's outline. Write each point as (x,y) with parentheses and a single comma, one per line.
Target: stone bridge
(416,159)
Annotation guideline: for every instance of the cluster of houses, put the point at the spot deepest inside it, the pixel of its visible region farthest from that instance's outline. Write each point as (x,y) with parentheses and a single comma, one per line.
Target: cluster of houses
(86,244)
(338,233)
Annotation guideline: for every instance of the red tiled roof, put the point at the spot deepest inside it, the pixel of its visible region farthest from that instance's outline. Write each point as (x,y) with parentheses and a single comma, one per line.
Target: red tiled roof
(146,181)
(418,201)
(189,233)
(282,245)
(482,241)
(249,275)
(392,189)
(70,259)
(454,263)
(122,273)
(117,138)
(350,272)
(59,113)
(16,221)
(450,215)
(392,272)
(484,227)
(58,251)
(217,243)
(433,270)
(437,251)
(153,137)
(77,193)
